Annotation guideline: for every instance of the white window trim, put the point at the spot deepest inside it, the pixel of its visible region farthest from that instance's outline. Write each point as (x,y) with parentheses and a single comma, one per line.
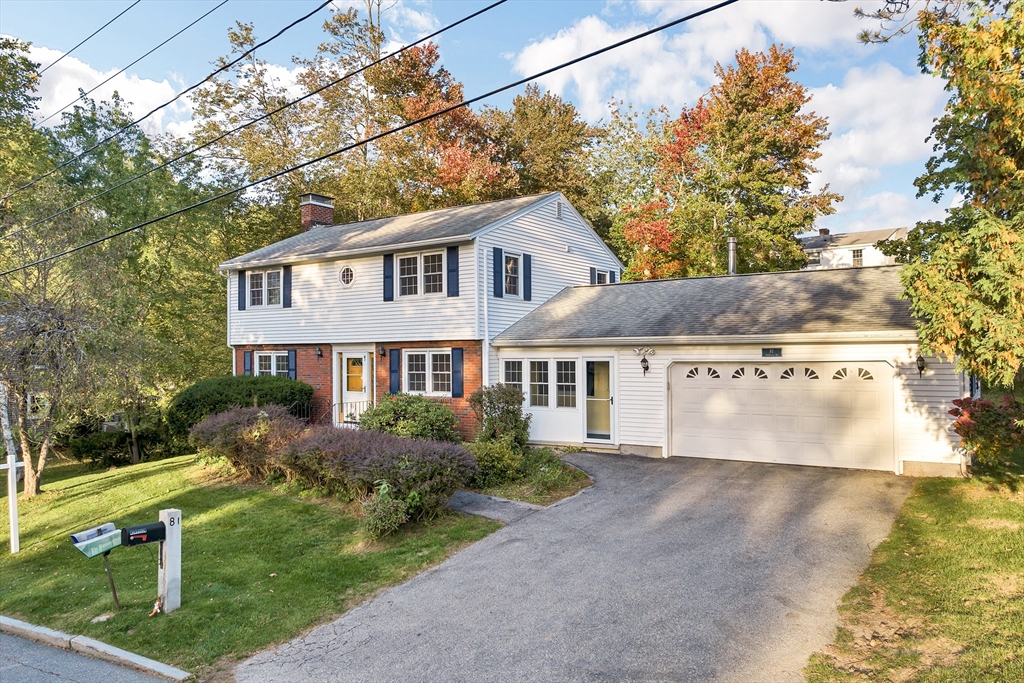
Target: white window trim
(429,353)
(552,362)
(421,274)
(273,363)
(519,260)
(600,274)
(341,270)
(524,376)
(249,289)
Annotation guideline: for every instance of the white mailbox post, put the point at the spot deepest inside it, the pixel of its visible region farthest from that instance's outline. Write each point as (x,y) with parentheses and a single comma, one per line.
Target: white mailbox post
(169,572)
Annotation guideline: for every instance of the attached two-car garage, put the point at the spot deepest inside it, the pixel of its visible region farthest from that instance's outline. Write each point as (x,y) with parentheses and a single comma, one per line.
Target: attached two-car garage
(829,414)
(805,368)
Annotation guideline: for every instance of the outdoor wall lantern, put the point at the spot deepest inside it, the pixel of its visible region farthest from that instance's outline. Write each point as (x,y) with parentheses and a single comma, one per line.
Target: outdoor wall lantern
(382,351)
(644,351)
(920,365)
(319,352)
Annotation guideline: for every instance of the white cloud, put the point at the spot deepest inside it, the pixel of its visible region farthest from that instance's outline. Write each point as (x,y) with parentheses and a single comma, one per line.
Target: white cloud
(883,209)
(421,21)
(60,85)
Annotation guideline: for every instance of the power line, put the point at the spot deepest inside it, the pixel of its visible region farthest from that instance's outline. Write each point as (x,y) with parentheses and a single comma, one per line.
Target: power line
(89,36)
(84,95)
(255,121)
(168,103)
(378,136)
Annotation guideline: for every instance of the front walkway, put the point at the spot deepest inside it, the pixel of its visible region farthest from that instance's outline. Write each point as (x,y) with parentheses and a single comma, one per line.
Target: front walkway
(664,570)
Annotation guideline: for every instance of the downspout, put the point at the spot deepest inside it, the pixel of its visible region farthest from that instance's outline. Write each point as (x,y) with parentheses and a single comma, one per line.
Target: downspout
(227,331)
(486,360)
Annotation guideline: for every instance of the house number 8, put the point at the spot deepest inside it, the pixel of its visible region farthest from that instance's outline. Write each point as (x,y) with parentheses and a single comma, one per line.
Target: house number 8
(173,521)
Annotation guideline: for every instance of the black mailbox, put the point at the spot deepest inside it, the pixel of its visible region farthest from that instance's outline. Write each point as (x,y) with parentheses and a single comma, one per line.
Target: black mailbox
(144,533)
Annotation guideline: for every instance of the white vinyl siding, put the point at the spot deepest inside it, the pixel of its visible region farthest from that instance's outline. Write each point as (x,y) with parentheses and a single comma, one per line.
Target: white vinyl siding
(325,311)
(562,253)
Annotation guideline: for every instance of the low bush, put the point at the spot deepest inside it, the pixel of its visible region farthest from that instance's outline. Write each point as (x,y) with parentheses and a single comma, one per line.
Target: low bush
(498,461)
(412,416)
(992,430)
(384,514)
(248,438)
(422,474)
(499,408)
(113,449)
(193,404)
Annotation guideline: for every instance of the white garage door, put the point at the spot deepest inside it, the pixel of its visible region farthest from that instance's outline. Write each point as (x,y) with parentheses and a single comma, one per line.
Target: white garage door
(829,414)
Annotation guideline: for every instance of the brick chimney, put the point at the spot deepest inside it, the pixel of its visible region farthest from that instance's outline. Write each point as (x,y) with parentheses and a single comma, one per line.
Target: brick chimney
(821,231)
(315,210)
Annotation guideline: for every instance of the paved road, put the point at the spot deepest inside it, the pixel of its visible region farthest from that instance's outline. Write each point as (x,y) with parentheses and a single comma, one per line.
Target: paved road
(23,661)
(664,570)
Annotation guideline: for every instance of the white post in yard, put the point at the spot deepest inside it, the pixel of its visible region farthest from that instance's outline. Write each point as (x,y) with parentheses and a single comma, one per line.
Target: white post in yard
(169,573)
(12,470)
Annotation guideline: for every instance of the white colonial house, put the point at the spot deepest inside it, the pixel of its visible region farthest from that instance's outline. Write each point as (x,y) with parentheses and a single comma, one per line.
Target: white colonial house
(814,367)
(849,250)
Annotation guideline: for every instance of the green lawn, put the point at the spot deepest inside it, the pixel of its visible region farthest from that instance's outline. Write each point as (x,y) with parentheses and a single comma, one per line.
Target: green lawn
(545,479)
(259,566)
(943,597)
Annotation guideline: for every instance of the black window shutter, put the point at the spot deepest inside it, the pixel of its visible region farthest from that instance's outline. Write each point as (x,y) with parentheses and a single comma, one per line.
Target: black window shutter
(241,290)
(453,271)
(499,274)
(291,364)
(457,355)
(593,276)
(396,374)
(389,277)
(247,362)
(611,276)
(286,287)
(527,277)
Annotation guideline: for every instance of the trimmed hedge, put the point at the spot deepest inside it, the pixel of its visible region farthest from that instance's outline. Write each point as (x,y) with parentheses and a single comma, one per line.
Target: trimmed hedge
(210,396)
(412,416)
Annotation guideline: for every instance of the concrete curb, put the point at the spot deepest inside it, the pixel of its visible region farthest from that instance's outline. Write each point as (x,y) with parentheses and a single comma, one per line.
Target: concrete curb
(91,648)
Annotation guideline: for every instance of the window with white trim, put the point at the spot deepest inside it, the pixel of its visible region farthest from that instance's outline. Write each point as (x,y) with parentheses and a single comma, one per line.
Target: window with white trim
(421,274)
(814,258)
(858,258)
(602,277)
(511,275)
(265,288)
(565,383)
(271,364)
(428,372)
(539,383)
(514,374)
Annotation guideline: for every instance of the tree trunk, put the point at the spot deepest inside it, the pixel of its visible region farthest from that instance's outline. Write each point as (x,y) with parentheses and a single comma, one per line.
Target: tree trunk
(133,444)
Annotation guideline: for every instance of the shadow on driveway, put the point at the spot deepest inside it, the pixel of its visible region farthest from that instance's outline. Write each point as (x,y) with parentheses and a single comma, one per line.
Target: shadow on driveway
(664,570)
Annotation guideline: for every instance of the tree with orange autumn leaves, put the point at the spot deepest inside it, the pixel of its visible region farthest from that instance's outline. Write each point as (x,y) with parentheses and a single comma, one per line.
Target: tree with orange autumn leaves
(736,164)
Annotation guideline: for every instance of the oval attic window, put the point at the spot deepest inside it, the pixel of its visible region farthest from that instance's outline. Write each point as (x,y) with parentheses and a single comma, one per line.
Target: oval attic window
(347,276)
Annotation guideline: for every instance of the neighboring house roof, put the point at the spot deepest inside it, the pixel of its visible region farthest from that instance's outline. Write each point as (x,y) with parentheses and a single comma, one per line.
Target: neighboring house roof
(459,222)
(853,239)
(819,301)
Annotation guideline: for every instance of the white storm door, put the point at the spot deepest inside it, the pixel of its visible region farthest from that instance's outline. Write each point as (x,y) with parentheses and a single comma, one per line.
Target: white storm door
(355,384)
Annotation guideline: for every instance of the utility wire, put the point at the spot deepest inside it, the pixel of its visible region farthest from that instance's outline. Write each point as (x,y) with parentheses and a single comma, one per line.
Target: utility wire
(168,103)
(378,136)
(84,95)
(89,36)
(255,121)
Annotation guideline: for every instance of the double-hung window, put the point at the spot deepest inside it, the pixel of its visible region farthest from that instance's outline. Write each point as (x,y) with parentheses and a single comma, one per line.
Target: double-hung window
(565,383)
(602,277)
(511,275)
(428,372)
(539,383)
(858,258)
(814,258)
(272,364)
(421,273)
(514,374)
(265,288)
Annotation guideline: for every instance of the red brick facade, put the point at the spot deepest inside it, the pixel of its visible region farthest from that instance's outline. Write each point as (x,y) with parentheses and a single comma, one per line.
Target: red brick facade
(309,368)
(312,215)
(472,377)
(317,372)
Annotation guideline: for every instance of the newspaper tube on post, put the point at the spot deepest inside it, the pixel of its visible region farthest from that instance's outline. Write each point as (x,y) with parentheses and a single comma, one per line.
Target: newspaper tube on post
(169,572)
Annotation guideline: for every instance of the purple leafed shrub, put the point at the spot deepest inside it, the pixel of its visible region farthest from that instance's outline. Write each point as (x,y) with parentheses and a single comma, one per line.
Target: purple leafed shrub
(422,473)
(247,437)
(992,430)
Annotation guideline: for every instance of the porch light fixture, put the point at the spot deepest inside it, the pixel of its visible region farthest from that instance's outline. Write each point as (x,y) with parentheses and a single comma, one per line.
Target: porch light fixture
(644,351)
(382,351)
(319,352)
(920,366)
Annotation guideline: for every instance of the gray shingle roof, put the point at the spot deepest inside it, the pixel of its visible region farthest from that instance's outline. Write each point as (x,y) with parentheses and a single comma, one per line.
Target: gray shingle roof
(381,233)
(836,300)
(851,239)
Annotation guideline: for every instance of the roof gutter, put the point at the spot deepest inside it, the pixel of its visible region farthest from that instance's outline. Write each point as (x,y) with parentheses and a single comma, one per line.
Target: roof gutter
(228,266)
(715,340)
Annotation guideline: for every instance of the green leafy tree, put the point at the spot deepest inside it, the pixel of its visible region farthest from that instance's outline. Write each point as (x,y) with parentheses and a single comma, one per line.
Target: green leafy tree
(965,275)
(738,163)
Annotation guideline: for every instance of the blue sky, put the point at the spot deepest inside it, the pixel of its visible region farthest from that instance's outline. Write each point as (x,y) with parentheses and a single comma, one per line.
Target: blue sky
(879,105)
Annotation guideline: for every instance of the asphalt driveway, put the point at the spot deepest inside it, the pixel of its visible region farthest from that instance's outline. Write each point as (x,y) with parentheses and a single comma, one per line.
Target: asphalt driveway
(664,570)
